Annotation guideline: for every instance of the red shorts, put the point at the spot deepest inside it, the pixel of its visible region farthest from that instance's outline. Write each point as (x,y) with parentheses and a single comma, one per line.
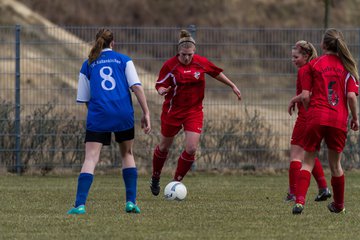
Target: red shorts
(170,126)
(298,134)
(334,138)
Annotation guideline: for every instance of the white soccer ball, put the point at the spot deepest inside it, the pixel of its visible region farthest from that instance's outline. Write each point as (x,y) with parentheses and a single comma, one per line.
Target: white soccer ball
(175,191)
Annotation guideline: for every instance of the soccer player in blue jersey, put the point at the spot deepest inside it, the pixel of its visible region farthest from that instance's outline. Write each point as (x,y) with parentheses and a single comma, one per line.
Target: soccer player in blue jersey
(105,80)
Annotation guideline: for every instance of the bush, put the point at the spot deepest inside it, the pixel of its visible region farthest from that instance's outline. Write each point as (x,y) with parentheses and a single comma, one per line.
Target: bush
(51,138)
(237,143)
(350,157)
(7,136)
(48,138)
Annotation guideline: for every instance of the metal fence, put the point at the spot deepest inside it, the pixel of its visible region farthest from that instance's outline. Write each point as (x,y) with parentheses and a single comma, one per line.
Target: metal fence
(42,127)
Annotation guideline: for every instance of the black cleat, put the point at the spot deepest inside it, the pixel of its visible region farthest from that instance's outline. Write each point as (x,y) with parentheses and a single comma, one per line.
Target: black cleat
(333,209)
(323,195)
(155,186)
(298,208)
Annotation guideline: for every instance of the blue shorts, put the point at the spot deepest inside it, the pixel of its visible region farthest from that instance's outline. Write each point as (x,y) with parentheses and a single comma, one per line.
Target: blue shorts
(105,137)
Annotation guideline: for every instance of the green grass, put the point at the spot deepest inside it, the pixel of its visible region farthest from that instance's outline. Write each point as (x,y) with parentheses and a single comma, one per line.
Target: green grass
(217,207)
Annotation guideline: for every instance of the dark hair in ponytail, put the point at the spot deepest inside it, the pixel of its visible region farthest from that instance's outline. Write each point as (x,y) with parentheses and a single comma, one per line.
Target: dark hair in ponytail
(102,40)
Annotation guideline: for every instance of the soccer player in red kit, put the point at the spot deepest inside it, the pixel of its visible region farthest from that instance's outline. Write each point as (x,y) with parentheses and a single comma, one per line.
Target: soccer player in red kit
(332,80)
(182,82)
(302,52)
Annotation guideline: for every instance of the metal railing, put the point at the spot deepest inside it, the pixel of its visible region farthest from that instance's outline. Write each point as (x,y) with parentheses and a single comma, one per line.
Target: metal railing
(43,127)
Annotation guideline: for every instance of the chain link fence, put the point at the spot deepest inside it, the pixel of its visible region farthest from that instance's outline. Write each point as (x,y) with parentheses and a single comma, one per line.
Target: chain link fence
(42,127)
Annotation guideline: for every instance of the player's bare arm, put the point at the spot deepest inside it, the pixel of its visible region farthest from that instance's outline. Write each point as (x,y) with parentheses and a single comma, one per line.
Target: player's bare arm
(140,95)
(305,98)
(222,78)
(352,101)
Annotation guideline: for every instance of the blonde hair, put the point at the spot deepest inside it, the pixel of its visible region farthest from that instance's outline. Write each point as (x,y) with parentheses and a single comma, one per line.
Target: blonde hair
(103,39)
(333,40)
(185,41)
(306,48)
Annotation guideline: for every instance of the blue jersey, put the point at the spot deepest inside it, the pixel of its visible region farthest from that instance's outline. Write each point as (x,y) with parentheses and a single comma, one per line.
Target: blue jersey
(104,85)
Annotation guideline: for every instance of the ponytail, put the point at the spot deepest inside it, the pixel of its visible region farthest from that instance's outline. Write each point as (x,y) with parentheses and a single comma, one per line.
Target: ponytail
(347,58)
(102,40)
(334,41)
(96,50)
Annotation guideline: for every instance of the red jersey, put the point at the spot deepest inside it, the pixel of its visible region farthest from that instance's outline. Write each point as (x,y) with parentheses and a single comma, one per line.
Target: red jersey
(329,82)
(187,84)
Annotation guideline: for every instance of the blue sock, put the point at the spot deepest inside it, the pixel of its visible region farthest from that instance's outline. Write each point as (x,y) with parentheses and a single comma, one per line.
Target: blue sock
(84,183)
(130,180)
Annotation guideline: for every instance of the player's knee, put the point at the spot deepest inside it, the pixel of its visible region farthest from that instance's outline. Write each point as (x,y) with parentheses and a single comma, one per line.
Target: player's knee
(191,150)
(128,153)
(336,171)
(164,148)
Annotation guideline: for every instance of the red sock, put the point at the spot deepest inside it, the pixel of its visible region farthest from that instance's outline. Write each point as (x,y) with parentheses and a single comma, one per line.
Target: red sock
(302,186)
(159,159)
(294,171)
(338,186)
(185,162)
(318,174)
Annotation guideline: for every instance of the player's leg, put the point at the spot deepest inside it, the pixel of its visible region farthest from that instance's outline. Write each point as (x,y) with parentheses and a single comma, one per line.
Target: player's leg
(187,157)
(311,144)
(160,154)
(85,179)
(192,127)
(318,173)
(335,140)
(125,139)
(337,181)
(92,155)
(130,175)
(158,161)
(304,181)
(296,156)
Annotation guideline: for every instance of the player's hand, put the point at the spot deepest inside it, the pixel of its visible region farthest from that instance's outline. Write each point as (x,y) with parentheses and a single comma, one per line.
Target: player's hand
(145,124)
(163,91)
(354,124)
(291,108)
(237,92)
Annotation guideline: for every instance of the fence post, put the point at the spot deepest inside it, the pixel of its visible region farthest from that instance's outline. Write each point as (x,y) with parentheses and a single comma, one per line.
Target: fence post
(17,100)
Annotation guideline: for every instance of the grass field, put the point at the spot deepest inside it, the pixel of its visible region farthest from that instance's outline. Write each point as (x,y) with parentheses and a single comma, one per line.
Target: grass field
(217,207)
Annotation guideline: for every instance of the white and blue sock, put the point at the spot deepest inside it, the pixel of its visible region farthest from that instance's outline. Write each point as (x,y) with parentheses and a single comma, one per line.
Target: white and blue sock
(130,179)
(84,183)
